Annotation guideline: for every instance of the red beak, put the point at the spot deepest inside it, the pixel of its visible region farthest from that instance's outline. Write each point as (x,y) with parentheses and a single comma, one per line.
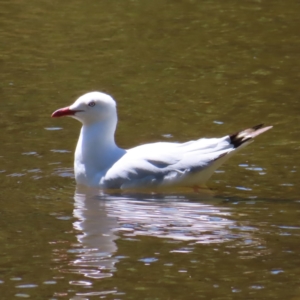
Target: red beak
(66,111)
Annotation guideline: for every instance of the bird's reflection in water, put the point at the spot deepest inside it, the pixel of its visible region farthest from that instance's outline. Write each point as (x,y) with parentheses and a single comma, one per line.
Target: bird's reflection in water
(103,217)
(96,234)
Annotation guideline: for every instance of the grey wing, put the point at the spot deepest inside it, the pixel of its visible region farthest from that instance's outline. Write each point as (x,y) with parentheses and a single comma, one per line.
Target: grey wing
(184,164)
(166,164)
(137,171)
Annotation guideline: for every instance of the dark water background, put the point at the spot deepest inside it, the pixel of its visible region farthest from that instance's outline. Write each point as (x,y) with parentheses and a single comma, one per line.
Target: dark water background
(179,70)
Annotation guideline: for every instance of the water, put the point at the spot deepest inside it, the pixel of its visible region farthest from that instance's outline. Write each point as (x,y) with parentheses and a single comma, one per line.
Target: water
(179,71)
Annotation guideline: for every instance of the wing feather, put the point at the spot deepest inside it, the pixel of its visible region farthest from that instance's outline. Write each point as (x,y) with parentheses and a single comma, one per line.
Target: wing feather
(165,163)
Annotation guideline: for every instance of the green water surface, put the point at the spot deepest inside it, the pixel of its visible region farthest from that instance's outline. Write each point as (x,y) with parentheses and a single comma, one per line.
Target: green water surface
(179,70)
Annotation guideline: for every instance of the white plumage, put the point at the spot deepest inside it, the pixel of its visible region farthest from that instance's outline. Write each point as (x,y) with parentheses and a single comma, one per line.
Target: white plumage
(101,163)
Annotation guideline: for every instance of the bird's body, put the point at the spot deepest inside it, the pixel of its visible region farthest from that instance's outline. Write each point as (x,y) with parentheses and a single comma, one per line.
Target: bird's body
(101,163)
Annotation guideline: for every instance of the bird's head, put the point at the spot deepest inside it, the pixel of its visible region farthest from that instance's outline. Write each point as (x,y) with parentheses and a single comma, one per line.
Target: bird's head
(90,108)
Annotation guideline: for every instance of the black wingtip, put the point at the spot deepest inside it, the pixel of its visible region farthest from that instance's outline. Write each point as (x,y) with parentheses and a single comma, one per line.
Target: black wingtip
(241,137)
(257,126)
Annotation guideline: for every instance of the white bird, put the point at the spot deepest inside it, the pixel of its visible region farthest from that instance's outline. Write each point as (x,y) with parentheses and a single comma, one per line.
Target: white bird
(99,162)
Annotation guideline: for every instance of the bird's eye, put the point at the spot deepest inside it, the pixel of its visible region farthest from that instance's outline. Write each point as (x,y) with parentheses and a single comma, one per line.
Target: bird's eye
(92,103)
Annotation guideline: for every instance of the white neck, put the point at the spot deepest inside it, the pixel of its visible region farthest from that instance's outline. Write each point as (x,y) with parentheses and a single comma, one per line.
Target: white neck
(96,151)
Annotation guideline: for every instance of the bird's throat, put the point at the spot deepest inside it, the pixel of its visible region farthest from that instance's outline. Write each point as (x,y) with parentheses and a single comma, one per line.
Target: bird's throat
(96,151)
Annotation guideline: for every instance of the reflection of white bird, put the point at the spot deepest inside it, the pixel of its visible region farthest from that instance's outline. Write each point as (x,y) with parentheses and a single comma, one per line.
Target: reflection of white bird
(96,235)
(102,218)
(99,162)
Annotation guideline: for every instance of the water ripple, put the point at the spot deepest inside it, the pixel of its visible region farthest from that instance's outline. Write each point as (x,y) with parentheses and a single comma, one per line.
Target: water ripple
(103,218)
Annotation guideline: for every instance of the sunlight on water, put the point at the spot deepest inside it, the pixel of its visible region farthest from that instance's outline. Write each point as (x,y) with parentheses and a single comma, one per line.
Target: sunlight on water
(103,218)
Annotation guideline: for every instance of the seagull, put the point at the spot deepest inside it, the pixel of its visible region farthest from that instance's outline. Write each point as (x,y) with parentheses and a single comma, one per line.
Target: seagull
(100,163)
